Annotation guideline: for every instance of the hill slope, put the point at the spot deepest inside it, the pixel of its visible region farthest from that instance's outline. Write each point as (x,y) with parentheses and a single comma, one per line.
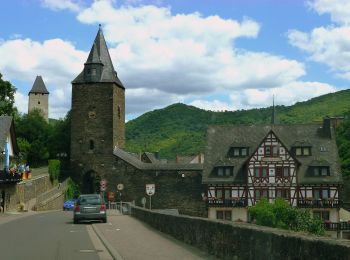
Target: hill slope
(181,129)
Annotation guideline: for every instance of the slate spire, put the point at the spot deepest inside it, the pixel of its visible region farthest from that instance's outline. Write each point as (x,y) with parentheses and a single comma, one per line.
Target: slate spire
(39,86)
(273,116)
(98,66)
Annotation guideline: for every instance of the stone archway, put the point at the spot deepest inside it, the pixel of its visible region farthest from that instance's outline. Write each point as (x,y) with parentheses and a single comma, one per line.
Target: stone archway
(91,182)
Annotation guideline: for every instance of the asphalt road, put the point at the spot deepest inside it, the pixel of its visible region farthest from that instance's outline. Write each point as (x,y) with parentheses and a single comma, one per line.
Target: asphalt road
(49,236)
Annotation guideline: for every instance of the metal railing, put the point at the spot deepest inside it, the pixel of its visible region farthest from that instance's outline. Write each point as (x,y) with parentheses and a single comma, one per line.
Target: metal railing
(337,226)
(319,203)
(8,177)
(229,203)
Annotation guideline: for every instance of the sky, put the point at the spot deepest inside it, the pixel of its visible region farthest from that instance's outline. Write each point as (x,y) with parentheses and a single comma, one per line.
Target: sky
(213,54)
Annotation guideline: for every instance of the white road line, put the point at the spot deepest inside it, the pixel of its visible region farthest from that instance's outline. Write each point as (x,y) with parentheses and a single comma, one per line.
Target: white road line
(102,251)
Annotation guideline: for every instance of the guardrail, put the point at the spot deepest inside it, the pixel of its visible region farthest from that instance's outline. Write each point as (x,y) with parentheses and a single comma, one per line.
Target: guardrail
(337,226)
(319,203)
(229,203)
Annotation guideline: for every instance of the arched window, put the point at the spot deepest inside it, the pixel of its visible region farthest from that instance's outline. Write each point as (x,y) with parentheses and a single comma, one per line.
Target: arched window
(91,145)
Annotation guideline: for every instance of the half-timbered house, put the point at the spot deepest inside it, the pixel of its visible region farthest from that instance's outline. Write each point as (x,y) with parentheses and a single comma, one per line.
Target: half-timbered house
(245,163)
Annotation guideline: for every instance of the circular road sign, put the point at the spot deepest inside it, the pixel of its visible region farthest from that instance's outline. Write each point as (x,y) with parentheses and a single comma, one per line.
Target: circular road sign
(120,186)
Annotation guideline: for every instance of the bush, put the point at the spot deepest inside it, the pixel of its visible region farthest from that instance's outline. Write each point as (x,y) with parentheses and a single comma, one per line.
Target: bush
(72,190)
(54,169)
(281,215)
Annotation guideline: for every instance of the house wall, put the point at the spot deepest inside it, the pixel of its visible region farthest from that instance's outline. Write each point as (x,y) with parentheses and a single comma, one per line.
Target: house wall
(237,213)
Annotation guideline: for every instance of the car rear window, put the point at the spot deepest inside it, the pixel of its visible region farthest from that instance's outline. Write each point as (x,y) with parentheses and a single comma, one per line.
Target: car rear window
(94,200)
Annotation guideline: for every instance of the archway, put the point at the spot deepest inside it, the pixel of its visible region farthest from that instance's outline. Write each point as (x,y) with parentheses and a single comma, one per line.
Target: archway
(91,182)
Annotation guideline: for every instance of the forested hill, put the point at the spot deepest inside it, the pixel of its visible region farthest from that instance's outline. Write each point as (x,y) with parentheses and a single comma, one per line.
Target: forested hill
(181,129)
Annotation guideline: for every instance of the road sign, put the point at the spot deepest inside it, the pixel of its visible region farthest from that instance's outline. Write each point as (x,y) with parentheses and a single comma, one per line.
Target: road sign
(120,186)
(150,189)
(103,185)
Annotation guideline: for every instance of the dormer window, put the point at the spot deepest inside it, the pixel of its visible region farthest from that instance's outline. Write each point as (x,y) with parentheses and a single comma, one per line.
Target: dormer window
(224,171)
(238,152)
(302,151)
(320,171)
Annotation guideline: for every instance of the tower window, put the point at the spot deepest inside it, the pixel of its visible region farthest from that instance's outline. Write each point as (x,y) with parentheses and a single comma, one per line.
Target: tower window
(119,113)
(93,72)
(91,145)
(39,102)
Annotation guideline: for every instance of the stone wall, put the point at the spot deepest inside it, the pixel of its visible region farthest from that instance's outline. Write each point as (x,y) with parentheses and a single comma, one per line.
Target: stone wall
(53,203)
(23,192)
(173,189)
(228,240)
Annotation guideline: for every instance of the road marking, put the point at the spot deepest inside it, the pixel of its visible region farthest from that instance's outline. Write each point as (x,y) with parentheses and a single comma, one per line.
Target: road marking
(101,250)
(117,229)
(74,231)
(87,251)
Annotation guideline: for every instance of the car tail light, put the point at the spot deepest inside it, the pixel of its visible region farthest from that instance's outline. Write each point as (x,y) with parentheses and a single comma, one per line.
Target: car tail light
(103,207)
(77,208)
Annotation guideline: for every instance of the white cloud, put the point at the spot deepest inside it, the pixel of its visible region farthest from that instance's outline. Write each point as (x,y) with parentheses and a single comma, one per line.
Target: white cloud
(72,5)
(21,102)
(185,53)
(328,44)
(339,10)
(215,105)
(56,60)
(284,95)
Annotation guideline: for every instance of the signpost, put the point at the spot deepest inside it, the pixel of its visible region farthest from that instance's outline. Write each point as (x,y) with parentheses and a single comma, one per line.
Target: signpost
(150,190)
(120,187)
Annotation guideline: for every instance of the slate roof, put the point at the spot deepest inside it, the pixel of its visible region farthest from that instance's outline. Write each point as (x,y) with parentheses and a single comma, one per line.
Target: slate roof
(130,159)
(151,156)
(39,86)
(99,54)
(221,138)
(6,126)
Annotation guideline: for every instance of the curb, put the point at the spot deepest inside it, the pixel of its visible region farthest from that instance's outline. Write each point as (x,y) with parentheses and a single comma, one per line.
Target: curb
(115,255)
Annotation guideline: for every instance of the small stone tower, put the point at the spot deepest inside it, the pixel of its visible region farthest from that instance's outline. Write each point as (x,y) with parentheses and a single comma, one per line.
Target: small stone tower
(97,116)
(39,97)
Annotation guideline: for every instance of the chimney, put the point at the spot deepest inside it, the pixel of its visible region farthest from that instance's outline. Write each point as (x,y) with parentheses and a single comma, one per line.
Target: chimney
(326,128)
(177,159)
(156,154)
(199,158)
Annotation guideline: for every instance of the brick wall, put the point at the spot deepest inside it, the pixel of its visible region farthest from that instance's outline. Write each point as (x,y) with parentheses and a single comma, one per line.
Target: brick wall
(228,240)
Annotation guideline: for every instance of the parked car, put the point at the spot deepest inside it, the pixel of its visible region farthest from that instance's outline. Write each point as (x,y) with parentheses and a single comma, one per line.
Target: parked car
(69,204)
(90,207)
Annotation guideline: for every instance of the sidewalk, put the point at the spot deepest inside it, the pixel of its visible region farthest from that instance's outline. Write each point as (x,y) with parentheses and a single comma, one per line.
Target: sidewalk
(13,215)
(133,240)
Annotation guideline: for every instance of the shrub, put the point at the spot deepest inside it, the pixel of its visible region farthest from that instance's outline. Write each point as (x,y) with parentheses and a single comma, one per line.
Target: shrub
(281,215)
(54,169)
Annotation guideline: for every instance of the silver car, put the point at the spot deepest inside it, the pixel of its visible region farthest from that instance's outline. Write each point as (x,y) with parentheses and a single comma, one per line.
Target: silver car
(90,207)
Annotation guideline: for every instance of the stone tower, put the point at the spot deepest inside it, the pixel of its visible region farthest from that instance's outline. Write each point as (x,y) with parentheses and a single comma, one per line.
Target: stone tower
(39,97)
(98,117)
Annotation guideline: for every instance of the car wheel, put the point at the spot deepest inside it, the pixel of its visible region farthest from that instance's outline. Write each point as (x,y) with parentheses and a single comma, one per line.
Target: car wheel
(104,220)
(75,221)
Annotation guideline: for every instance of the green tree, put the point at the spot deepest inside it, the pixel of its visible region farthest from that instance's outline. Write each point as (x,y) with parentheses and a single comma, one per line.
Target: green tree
(343,141)
(7,97)
(33,129)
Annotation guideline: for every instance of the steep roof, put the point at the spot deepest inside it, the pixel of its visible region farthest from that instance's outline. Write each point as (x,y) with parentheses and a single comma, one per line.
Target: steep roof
(132,160)
(222,138)
(39,86)
(99,54)
(6,127)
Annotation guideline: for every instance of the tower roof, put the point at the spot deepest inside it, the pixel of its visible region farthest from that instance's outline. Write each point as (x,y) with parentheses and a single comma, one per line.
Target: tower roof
(99,55)
(39,86)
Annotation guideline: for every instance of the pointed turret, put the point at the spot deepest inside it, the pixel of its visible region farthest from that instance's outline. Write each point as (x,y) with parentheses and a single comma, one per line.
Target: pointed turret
(39,86)
(98,67)
(273,116)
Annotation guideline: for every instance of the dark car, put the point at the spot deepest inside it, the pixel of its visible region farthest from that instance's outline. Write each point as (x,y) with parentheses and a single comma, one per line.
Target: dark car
(90,207)
(69,204)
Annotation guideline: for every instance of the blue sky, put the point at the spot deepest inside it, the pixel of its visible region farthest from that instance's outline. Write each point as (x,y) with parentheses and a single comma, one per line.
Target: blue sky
(216,55)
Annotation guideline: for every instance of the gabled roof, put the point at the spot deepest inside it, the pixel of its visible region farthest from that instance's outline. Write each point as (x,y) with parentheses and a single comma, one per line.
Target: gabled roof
(221,138)
(99,54)
(39,86)
(6,127)
(132,160)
